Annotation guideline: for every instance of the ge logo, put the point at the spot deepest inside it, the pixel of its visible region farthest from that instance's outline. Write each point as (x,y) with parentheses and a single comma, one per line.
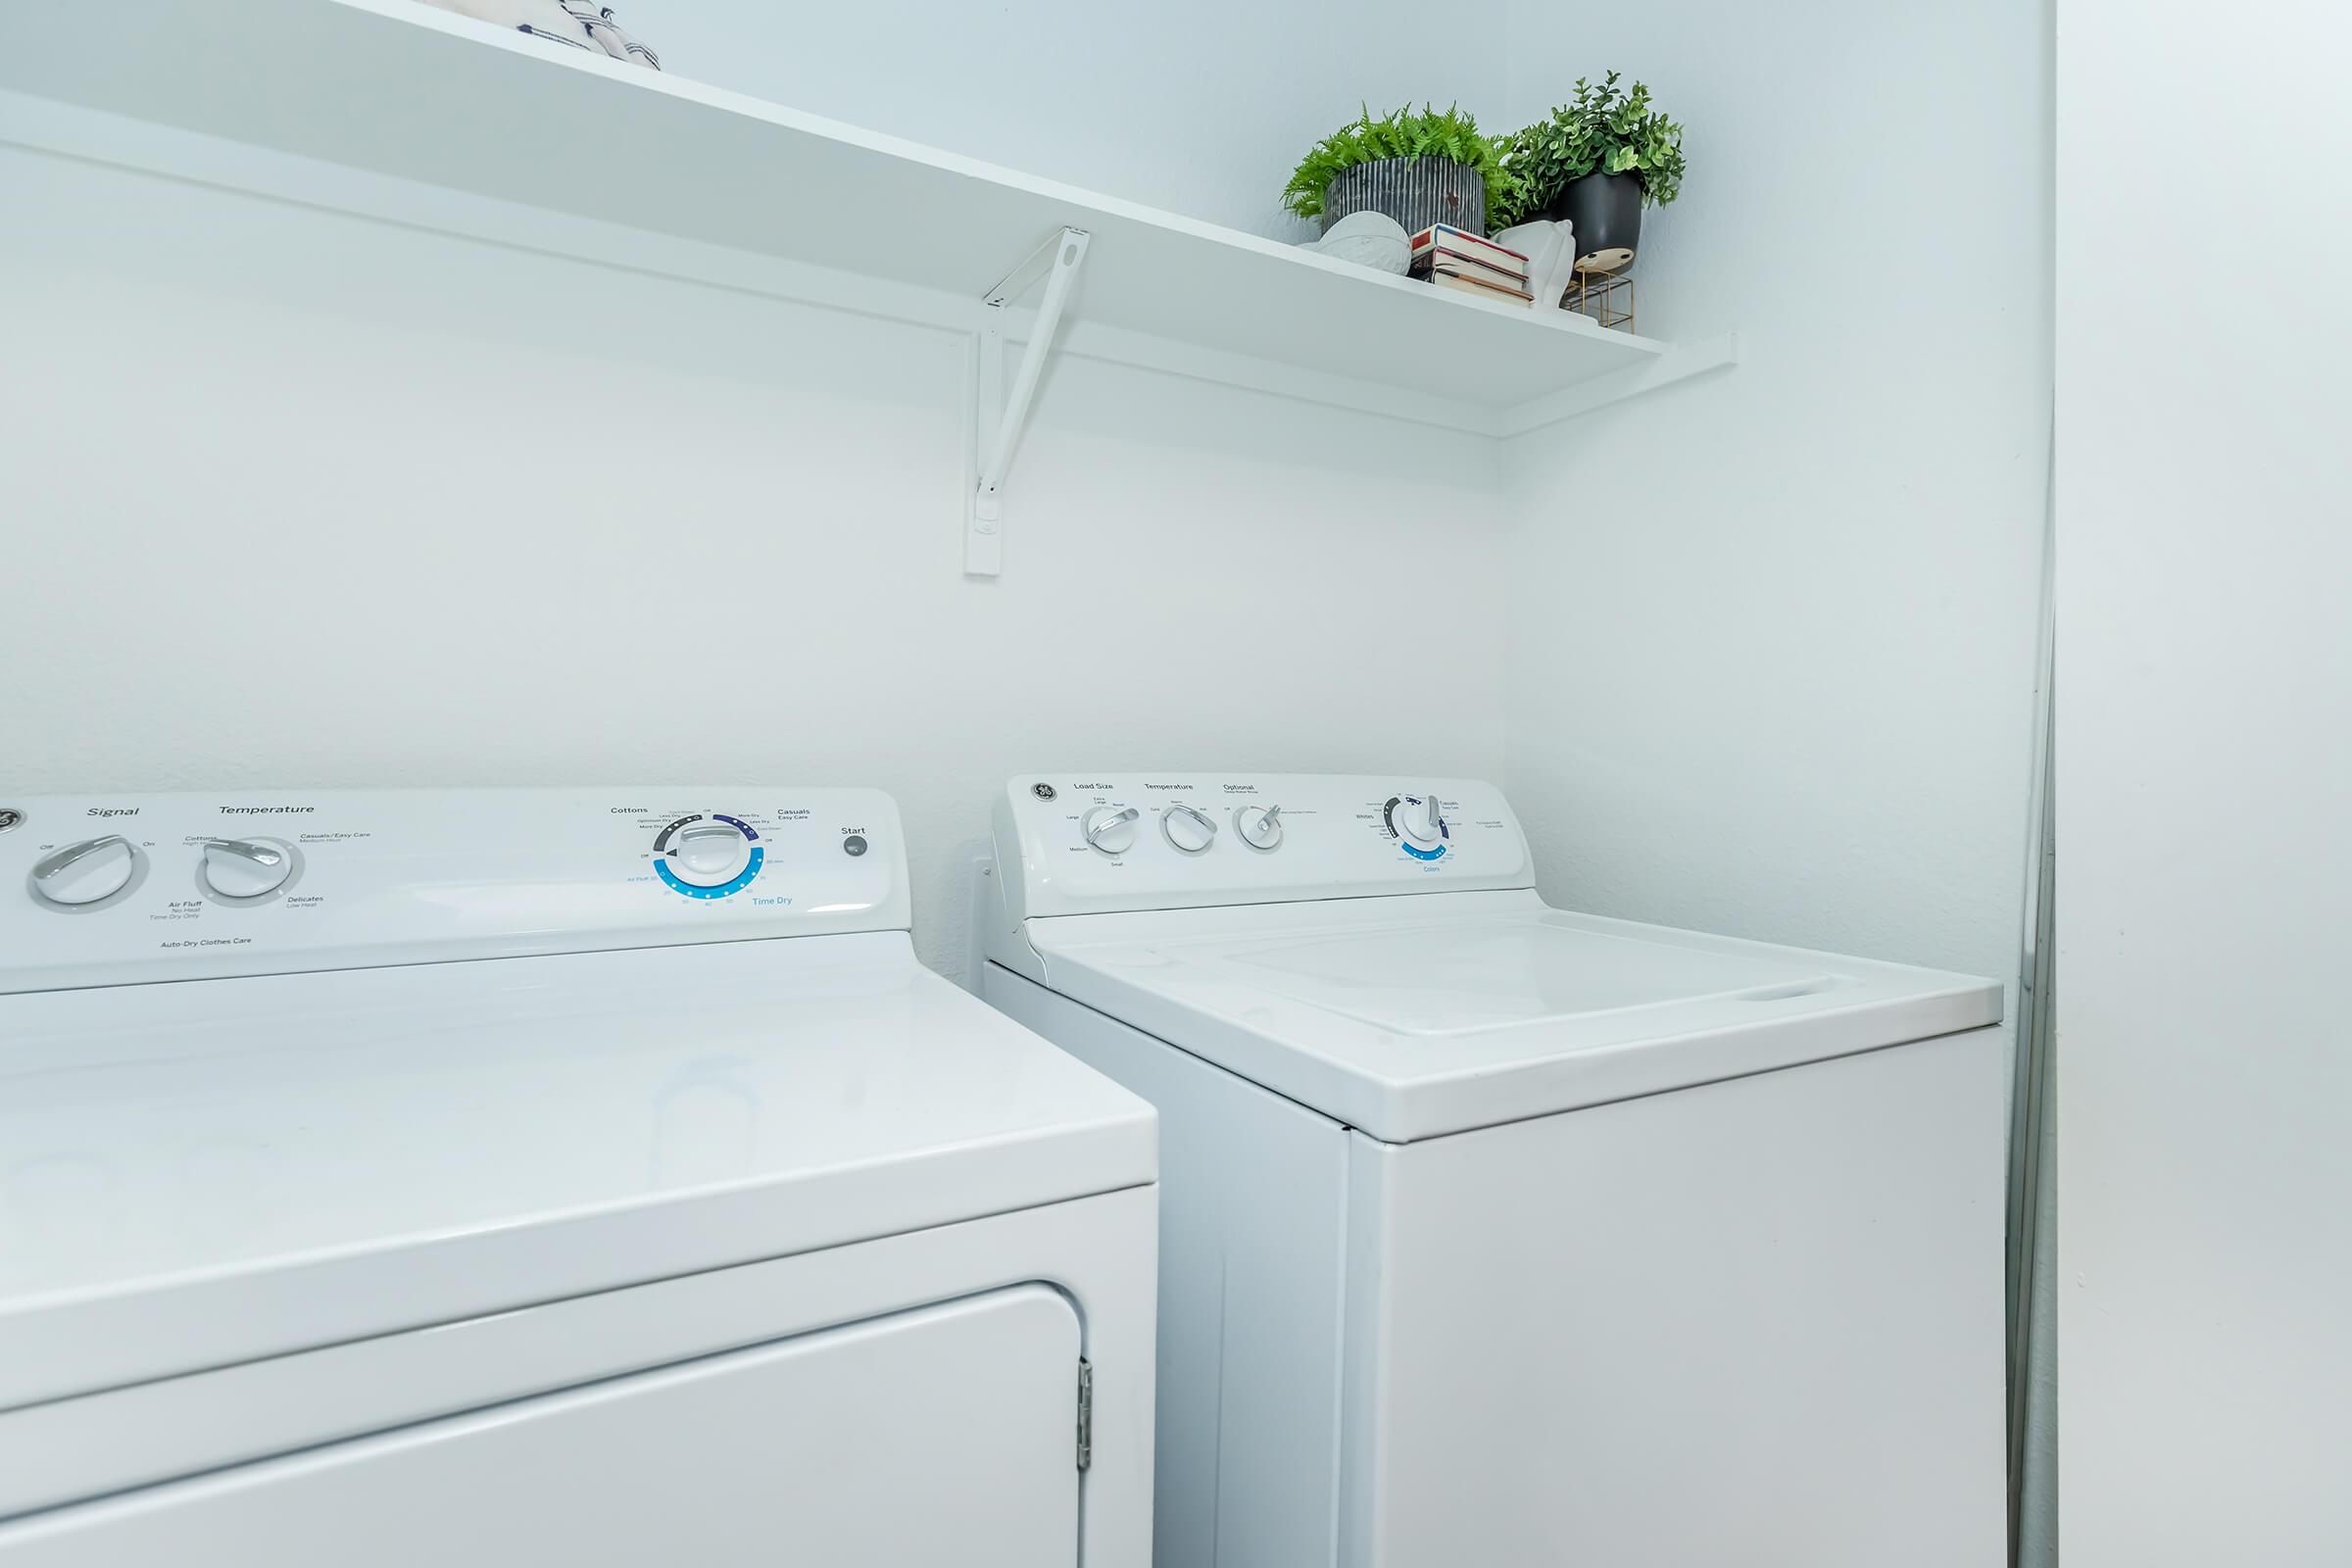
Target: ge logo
(1044,792)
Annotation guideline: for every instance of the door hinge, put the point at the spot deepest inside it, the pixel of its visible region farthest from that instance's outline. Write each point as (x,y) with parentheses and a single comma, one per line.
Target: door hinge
(1086,1413)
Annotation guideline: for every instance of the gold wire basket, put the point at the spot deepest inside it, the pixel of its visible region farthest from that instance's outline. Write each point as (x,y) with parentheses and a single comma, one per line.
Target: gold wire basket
(1606,297)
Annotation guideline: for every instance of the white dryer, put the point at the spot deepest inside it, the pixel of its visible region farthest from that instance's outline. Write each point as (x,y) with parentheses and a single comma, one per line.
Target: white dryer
(1498,1235)
(586,1176)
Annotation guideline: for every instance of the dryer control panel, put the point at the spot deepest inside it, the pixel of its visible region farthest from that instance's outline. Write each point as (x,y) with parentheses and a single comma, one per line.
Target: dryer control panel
(1087,843)
(118,889)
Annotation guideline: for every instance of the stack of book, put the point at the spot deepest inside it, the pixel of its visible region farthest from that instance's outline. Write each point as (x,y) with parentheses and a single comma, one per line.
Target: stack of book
(1450,258)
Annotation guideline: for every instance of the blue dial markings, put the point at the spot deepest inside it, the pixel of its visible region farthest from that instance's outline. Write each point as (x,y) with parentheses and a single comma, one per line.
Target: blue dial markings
(741,880)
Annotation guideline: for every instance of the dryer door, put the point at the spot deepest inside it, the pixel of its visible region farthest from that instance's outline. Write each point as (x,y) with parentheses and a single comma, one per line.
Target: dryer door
(942,1435)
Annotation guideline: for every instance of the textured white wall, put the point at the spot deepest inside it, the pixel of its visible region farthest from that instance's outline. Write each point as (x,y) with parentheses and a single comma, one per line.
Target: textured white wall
(305,499)
(1772,633)
(2204,775)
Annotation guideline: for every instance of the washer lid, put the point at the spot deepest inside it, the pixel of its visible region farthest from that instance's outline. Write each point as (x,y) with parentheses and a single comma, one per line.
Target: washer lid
(203,1172)
(1410,1017)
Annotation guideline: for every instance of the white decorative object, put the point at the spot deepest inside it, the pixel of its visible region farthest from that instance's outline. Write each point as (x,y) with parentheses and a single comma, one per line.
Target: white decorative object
(1368,239)
(579,23)
(1549,247)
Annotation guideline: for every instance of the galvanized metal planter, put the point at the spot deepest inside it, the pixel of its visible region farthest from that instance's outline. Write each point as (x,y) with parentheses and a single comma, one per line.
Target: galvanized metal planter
(1415,191)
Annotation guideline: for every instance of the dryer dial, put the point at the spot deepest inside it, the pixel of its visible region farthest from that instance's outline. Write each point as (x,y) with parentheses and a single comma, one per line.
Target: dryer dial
(708,856)
(87,872)
(245,868)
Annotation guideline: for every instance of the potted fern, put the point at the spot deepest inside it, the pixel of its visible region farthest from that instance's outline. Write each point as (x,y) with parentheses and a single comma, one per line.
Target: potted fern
(1596,161)
(1431,167)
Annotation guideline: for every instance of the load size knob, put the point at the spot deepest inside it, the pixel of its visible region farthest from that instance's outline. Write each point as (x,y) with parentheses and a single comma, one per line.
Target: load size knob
(1110,828)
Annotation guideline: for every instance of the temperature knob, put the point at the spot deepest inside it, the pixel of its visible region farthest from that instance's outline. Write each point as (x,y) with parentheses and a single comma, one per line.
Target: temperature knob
(86,872)
(1110,828)
(245,868)
(1261,826)
(1189,828)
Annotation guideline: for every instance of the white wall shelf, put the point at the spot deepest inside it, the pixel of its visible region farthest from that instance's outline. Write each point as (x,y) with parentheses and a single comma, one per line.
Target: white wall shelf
(425,96)
(421,117)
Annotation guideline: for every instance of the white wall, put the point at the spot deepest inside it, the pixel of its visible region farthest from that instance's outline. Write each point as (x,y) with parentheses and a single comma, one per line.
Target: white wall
(2204,786)
(305,499)
(1201,109)
(1773,632)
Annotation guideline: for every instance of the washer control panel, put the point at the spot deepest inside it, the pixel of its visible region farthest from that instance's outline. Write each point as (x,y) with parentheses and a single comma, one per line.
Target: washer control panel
(1098,841)
(127,888)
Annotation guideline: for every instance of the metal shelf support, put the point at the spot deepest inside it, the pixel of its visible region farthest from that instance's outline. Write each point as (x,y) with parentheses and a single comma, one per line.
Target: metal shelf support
(998,415)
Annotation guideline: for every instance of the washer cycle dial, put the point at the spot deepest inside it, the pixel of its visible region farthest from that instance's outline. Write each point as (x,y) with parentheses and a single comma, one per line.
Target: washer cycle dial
(709,857)
(1417,824)
(86,872)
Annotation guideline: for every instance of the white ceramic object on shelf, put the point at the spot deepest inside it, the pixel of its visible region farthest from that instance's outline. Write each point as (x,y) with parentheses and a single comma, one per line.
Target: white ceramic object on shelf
(1368,239)
(1549,246)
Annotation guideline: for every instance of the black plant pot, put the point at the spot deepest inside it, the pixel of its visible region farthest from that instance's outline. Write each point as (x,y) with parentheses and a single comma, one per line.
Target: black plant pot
(1606,209)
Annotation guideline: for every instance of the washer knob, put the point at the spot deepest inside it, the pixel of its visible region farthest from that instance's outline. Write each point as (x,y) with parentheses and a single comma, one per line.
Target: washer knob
(1110,828)
(1189,828)
(245,868)
(707,854)
(86,872)
(1419,819)
(1261,826)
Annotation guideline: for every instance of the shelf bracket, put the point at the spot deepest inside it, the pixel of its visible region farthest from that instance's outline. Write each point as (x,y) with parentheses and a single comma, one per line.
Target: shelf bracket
(998,416)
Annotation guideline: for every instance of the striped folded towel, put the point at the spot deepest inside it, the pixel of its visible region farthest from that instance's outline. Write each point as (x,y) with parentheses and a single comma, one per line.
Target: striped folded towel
(576,23)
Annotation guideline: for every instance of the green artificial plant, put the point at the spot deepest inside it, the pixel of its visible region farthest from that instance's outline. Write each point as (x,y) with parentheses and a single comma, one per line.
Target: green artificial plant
(1400,133)
(1603,129)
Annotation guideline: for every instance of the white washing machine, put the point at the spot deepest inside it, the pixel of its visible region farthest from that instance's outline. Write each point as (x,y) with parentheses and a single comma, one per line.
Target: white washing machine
(589,1177)
(1497,1235)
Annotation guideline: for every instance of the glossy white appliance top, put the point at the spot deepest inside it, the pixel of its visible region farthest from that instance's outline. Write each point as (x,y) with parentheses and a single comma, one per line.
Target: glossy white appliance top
(1428,1012)
(199,1172)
